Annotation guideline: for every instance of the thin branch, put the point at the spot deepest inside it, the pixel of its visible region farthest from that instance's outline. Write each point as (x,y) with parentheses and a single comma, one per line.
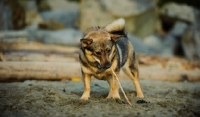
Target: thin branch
(121,88)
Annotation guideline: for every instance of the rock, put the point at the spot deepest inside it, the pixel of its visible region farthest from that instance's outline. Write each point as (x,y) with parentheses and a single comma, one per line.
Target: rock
(5,17)
(63,11)
(29,5)
(33,26)
(70,37)
(51,25)
(43,6)
(154,43)
(177,32)
(170,43)
(63,5)
(179,29)
(33,17)
(54,5)
(35,21)
(162,45)
(142,27)
(191,42)
(197,16)
(178,12)
(67,18)
(12,15)
(138,44)
(92,13)
(127,7)
(37,35)
(136,13)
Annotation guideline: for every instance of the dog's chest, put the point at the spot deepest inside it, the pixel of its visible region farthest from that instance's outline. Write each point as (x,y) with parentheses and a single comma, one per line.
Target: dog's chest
(99,74)
(102,76)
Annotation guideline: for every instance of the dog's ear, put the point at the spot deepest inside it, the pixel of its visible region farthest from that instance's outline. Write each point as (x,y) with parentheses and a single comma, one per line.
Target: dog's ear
(115,37)
(86,42)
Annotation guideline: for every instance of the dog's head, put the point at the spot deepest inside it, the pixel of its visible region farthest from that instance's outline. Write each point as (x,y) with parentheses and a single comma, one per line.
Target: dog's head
(99,44)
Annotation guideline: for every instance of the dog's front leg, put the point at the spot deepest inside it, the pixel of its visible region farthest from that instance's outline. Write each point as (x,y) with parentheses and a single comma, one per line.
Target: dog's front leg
(86,81)
(114,87)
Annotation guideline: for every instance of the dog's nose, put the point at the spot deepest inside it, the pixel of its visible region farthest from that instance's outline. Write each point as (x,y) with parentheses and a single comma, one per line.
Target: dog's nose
(107,65)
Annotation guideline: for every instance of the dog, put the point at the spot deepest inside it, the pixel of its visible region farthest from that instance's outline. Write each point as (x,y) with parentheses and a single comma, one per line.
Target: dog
(103,49)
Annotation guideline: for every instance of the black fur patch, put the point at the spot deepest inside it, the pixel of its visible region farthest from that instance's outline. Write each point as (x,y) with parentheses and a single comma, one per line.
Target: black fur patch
(122,43)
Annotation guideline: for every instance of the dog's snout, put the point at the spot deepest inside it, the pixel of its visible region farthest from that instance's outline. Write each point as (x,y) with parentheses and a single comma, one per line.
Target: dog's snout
(107,65)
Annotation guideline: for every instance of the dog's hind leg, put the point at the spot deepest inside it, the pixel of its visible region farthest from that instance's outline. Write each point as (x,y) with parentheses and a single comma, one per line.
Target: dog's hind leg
(86,81)
(131,69)
(114,88)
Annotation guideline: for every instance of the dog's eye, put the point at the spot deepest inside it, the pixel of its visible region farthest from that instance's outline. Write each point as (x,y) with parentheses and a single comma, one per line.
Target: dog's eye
(97,53)
(108,51)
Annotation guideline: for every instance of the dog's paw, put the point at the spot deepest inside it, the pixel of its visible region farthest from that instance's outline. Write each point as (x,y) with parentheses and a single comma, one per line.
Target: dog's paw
(140,96)
(113,96)
(84,98)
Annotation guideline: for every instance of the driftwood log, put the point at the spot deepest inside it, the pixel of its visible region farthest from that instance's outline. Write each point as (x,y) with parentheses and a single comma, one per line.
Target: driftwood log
(38,70)
(66,70)
(172,75)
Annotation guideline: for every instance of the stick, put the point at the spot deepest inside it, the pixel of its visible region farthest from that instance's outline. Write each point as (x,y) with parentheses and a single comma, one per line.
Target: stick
(121,88)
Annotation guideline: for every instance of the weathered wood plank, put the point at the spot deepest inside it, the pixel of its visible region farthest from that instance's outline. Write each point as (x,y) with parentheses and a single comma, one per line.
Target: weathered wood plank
(68,70)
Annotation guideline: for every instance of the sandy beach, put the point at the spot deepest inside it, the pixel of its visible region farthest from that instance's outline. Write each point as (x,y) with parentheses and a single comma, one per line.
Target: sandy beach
(61,99)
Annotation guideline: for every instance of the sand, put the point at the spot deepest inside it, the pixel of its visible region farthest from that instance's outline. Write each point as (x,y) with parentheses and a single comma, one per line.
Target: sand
(61,99)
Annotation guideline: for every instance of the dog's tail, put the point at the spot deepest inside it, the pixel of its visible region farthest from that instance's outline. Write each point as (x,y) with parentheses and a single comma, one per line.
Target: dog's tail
(116,27)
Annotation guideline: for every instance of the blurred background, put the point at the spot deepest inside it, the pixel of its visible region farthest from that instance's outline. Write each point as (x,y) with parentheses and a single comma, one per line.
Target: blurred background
(163,27)
(50,30)
(39,40)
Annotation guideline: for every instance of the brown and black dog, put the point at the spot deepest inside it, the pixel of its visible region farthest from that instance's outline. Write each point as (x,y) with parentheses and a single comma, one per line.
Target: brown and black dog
(105,48)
